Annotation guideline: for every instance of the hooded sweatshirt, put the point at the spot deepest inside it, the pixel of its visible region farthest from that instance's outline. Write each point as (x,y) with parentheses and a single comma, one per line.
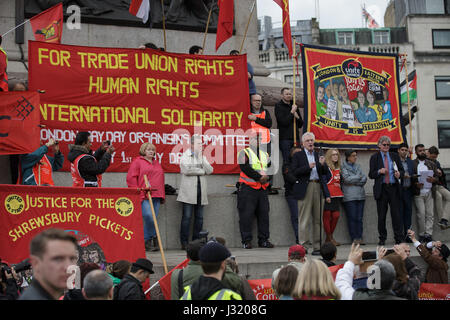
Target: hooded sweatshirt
(205,287)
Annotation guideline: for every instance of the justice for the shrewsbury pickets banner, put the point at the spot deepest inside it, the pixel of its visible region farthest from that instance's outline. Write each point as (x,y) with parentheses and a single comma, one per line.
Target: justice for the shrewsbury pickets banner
(132,96)
(107,225)
(351,98)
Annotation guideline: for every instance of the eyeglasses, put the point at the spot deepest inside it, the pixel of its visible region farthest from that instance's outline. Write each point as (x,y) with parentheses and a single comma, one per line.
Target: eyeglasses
(386,144)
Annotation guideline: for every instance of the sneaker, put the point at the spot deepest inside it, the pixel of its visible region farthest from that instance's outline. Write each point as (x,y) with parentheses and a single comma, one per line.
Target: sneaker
(443,224)
(247,245)
(266,244)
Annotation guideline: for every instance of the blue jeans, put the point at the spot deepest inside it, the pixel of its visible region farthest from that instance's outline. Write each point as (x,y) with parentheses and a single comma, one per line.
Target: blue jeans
(355,211)
(293,209)
(186,222)
(149,225)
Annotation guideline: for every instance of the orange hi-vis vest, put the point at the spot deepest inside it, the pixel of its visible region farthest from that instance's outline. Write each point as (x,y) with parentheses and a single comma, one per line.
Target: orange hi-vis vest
(258,165)
(334,185)
(42,172)
(77,179)
(263,131)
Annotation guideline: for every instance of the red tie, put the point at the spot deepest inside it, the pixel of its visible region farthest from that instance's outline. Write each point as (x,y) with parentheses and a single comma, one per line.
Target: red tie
(386,165)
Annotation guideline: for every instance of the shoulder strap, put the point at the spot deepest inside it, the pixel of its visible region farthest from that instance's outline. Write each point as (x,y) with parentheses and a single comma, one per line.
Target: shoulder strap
(180,284)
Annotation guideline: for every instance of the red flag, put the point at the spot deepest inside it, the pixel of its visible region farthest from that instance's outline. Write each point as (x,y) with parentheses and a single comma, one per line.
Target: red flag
(140,9)
(164,282)
(284,4)
(225,23)
(48,25)
(19,122)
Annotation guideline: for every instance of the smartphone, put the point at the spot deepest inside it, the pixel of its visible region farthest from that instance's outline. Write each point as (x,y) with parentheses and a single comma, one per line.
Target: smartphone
(369,255)
(389,251)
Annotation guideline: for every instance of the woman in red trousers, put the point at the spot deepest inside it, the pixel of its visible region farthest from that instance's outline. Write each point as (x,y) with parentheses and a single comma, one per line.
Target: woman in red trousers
(331,210)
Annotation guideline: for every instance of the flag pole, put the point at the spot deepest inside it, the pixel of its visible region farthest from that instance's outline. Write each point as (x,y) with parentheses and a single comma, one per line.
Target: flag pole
(28,20)
(293,92)
(246,27)
(164,24)
(207,25)
(147,185)
(404,55)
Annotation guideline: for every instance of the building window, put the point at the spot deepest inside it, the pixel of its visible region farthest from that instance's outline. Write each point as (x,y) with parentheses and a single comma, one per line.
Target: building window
(444,133)
(442,87)
(381,37)
(441,39)
(289,79)
(345,37)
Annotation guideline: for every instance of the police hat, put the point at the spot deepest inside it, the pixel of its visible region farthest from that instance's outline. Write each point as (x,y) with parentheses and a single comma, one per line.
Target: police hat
(213,252)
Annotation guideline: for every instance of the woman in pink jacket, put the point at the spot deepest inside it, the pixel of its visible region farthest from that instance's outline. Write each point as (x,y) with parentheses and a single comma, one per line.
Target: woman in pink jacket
(146,164)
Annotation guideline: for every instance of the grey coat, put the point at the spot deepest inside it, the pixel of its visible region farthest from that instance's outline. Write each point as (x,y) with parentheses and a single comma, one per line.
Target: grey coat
(190,168)
(352,182)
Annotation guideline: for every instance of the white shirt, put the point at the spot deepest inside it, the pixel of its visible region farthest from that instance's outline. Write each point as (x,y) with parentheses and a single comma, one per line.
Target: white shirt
(311,159)
(420,168)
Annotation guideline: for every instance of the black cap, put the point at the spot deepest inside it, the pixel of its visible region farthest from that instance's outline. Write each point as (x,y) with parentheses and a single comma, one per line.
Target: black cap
(445,252)
(144,264)
(213,252)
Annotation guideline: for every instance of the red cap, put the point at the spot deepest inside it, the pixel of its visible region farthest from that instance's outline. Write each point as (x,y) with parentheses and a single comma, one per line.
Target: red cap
(299,249)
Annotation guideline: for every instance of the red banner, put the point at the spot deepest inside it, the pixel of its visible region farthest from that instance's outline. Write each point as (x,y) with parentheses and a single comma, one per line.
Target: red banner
(106,222)
(132,96)
(263,289)
(352,98)
(48,25)
(434,291)
(19,122)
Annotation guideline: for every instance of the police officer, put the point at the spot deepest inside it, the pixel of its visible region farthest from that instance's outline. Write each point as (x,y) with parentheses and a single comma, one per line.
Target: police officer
(213,258)
(252,196)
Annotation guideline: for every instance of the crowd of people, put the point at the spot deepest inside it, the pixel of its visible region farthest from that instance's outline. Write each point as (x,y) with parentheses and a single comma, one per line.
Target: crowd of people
(212,273)
(316,186)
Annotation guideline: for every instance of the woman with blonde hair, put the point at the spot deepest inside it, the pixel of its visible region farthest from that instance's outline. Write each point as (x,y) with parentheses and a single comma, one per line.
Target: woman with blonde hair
(331,209)
(146,164)
(315,282)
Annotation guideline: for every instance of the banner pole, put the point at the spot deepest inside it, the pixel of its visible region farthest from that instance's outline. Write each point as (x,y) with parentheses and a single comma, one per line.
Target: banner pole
(293,92)
(246,27)
(28,20)
(164,24)
(207,25)
(156,224)
(404,55)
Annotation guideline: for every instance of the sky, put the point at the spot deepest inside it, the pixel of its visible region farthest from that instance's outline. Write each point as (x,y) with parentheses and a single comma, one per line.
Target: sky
(332,13)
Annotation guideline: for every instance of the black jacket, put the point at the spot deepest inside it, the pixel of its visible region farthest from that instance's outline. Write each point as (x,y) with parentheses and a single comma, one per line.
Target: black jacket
(301,170)
(376,163)
(88,167)
(11,291)
(285,120)
(205,287)
(129,288)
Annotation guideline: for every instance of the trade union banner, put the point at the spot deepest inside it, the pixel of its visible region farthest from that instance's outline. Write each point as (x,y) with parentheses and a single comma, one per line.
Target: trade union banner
(107,225)
(19,122)
(132,96)
(351,98)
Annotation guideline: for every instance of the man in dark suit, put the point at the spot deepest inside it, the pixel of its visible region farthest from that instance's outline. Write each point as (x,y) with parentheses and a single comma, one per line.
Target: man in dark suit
(387,171)
(311,172)
(407,191)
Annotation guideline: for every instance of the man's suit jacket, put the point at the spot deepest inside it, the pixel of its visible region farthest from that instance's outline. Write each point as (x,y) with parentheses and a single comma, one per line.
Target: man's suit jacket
(376,163)
(301,170)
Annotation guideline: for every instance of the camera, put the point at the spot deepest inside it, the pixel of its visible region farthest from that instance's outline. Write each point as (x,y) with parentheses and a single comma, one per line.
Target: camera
(23,265)
(203,236)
